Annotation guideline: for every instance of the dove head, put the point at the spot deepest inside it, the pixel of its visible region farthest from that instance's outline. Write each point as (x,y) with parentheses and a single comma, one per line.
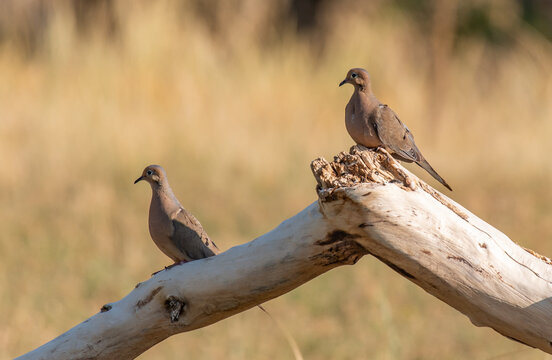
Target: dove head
(154,174)
(359,78)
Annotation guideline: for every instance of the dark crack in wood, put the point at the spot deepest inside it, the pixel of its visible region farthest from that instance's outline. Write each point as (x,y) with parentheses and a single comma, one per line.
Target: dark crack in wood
(142,302)
(342,249)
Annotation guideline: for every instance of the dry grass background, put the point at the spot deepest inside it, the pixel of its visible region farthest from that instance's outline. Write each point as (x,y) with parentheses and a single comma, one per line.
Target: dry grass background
(235,120)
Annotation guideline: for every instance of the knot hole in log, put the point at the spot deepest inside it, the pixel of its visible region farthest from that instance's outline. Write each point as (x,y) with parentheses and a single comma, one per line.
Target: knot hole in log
(175,307)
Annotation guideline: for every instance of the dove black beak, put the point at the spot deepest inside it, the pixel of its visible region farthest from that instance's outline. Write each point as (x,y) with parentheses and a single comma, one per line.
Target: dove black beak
(139,179)
(343,82)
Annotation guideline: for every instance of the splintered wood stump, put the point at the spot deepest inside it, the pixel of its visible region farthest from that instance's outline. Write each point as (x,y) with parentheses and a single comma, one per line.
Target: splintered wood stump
(368,204)
(435,243)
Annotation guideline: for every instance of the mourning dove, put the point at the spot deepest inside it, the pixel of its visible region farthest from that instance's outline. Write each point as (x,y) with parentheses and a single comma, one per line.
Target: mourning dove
(175,231)
(179,235)
(373,124)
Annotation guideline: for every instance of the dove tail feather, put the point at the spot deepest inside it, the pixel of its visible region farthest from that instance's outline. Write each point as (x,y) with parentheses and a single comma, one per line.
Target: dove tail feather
(291,341)
(425,165)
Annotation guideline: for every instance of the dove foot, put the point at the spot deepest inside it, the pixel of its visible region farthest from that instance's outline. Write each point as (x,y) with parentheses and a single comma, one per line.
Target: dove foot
(170,266)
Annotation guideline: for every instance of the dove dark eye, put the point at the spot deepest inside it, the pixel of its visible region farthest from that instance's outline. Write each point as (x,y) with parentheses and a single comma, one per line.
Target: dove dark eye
(353,75)
(149,172)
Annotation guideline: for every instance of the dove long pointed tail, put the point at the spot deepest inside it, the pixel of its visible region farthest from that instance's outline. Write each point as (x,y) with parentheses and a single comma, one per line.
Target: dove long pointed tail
(425,165)
(291,341)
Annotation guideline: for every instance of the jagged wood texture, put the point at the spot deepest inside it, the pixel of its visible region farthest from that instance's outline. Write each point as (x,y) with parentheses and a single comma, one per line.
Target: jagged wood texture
(368,204)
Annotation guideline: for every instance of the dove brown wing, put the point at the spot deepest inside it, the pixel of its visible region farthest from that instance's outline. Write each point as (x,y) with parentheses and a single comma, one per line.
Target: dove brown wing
(190,237)
(397,138)
(395,135)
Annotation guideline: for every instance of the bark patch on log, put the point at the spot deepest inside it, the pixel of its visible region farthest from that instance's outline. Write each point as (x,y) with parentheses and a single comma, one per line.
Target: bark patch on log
(342,249)
(147,299)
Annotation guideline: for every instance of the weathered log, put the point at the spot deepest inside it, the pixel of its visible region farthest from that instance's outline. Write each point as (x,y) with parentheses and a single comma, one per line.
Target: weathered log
(368,204)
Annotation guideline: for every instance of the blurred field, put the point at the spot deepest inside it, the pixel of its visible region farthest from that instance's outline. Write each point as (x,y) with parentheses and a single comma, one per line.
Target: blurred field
(235,119)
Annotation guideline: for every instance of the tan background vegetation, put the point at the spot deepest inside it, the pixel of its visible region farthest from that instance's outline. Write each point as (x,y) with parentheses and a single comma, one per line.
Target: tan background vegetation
(235,108)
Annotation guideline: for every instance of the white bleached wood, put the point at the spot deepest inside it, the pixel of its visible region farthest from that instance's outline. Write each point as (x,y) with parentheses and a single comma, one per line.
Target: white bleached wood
(420,233)
(210,290)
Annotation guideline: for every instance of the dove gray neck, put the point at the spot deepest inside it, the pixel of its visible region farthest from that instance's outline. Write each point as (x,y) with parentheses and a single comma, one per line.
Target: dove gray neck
(163,197)
(364,99)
